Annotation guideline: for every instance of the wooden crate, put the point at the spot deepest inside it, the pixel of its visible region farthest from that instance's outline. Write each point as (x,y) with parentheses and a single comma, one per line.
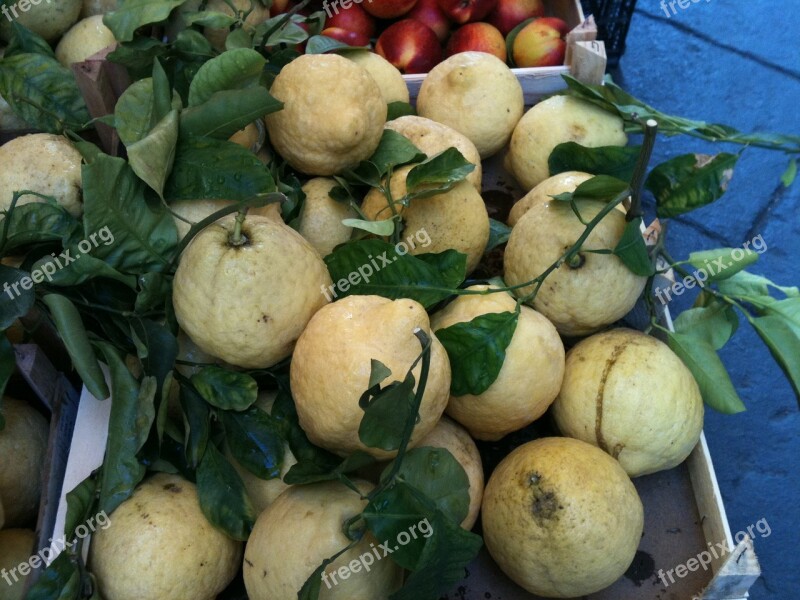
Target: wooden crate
(585,59)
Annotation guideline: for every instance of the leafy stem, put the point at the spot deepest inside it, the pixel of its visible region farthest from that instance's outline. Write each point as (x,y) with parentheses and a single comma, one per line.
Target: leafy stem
(236,238)
(640,171)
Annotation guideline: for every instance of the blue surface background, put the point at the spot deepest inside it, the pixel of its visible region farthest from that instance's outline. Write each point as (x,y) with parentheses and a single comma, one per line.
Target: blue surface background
(737,62)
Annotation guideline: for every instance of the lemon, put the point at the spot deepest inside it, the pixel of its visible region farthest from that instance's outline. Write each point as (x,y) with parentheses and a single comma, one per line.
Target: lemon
(16,547)
(43,163)
(552,186)
(160,545)
(582,296)
(321,216)
(455,219)
(452,437)
(333,114)
(474,93)
(552,122)
(23,445)
(85,38)
(247,304)
(389,79)
(47,19)
(432,138)
(529,379)
(561,518)
(305,526)
(629,394)
(331,368)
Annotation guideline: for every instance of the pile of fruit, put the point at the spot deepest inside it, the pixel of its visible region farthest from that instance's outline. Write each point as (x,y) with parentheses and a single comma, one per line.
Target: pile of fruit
(308,316)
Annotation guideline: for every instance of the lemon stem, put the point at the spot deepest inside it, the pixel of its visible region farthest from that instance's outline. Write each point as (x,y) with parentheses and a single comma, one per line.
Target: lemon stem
(639,173)
(236,238)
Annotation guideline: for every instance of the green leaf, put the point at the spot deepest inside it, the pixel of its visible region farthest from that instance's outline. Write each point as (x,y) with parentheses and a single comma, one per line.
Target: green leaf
(143,233)
(132,414)
(255,441)
(394,150)
(616,161)
(239,38)
(305,472)
(197,423)
(162,93)
(399,109)
(154,288)
(722,263)
(226,112)
(701,358)
(714,323)
(20,300)
(498,234)
(436,473)
(690,181)
(600,187)
(132,14)
(443,170)
(73,333)
(229,390)
(39,222)
(135,112)
(210,18)
(790,174)
(443,560)
(42,92)
(232,70)
(151,158)
(59,581)
(382,228)
(281,30)
(632,250)
(312,587)
(320,44)
(208,168)
(79,271)
(378,269)
(385,413)
(749,285)
(783,340)
(80,505)
(223,498)
(161,348)
(25,41)
(477,350)
(138,55)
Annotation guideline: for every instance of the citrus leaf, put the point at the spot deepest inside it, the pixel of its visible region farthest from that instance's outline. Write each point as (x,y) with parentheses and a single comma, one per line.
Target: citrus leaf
(209,18)
(132,414)
(226,389)
(20,297)
(197,421)
(790,174)
(701,358)
(135,112)
(632,250)
(320,44)
(750,286)
(232,70)
(143,233)
(783,340)
(42,92)
(151,158)
(8,363)
(442,170)
(399,109)
(599,187)
(722,263)
(311,472)
(616,161)
(385,413)
(382,228)
(690,181)
(132,14)
(61,580)
(226,112)
(438,475)
(222,495)
(477,350)
(716,323)
(25,41)
(80,505)
(70,328)
(498,234)
(254,440)
(394,150)
(39,222)
(208,168)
